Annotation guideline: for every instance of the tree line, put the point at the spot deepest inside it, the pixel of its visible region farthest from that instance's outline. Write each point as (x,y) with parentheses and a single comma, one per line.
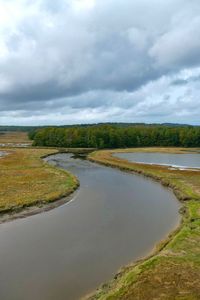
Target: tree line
(108,136)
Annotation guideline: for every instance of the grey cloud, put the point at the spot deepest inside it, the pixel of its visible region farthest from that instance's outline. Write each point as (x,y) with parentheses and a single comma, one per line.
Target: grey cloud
(112,57)
(180,46)
(180,82)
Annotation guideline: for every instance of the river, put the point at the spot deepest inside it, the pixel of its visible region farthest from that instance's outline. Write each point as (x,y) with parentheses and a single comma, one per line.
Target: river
(113,219)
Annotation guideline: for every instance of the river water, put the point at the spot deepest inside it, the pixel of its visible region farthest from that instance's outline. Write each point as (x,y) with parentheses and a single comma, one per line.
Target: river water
(113,219)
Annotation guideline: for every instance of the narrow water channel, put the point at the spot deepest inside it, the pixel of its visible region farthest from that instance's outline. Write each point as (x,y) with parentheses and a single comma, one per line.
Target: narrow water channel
(113,219)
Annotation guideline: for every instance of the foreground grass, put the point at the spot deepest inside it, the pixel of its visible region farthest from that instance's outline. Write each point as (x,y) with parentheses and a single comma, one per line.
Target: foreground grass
(26,180)
(173,272)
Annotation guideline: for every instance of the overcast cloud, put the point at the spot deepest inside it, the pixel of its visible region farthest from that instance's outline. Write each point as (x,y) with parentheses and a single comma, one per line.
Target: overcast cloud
(85,61)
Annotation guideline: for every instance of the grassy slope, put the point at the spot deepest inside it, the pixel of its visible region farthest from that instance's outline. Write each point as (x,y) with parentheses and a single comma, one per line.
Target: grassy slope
(27,180)
(173,272)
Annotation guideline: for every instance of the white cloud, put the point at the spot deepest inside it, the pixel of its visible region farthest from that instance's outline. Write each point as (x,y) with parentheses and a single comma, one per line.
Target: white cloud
(83,5)
(179,46)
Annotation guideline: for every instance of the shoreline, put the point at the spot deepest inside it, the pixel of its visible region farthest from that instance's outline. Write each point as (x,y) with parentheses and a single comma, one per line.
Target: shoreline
(35,209)
(168,165)
(156,249)
(40,206)
(158,246)
(117,285)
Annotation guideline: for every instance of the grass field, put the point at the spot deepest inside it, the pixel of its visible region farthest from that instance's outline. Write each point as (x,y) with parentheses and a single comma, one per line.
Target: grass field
(12,137)
(26,180)
(173,271)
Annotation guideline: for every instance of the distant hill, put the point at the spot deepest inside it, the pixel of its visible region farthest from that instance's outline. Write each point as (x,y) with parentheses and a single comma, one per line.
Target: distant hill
(30,128)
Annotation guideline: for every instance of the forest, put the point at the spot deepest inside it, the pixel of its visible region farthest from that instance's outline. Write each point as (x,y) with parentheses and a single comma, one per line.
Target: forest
(111,136)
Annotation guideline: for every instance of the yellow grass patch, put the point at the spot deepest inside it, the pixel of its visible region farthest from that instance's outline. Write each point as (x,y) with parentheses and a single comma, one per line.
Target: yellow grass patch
(26,180)
(12,137)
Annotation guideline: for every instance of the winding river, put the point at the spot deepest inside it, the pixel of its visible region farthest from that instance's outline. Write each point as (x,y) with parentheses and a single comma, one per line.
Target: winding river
(113,219)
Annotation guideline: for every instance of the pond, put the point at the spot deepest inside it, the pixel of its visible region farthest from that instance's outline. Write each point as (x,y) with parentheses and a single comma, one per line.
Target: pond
(186,160)
(2,153)
(113,219)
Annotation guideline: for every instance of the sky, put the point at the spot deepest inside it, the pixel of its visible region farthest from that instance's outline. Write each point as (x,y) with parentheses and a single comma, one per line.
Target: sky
(90,61)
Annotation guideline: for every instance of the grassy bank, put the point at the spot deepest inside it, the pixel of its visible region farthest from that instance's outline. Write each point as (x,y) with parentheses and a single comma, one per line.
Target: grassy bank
(173,272)
(26,180)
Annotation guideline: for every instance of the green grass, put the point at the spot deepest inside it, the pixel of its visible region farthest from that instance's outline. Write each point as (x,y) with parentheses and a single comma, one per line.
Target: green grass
(173,272)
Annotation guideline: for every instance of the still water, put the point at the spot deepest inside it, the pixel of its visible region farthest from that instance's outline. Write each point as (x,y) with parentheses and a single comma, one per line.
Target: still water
(187,160)
(2,153)
(113,219)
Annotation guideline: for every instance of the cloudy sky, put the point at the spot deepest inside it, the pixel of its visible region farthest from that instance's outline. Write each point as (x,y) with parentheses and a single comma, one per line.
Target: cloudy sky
(86,61)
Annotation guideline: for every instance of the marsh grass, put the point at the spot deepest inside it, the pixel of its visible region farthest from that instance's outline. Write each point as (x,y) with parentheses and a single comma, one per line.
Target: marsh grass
(26,180)
(14,137)
(173,271)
